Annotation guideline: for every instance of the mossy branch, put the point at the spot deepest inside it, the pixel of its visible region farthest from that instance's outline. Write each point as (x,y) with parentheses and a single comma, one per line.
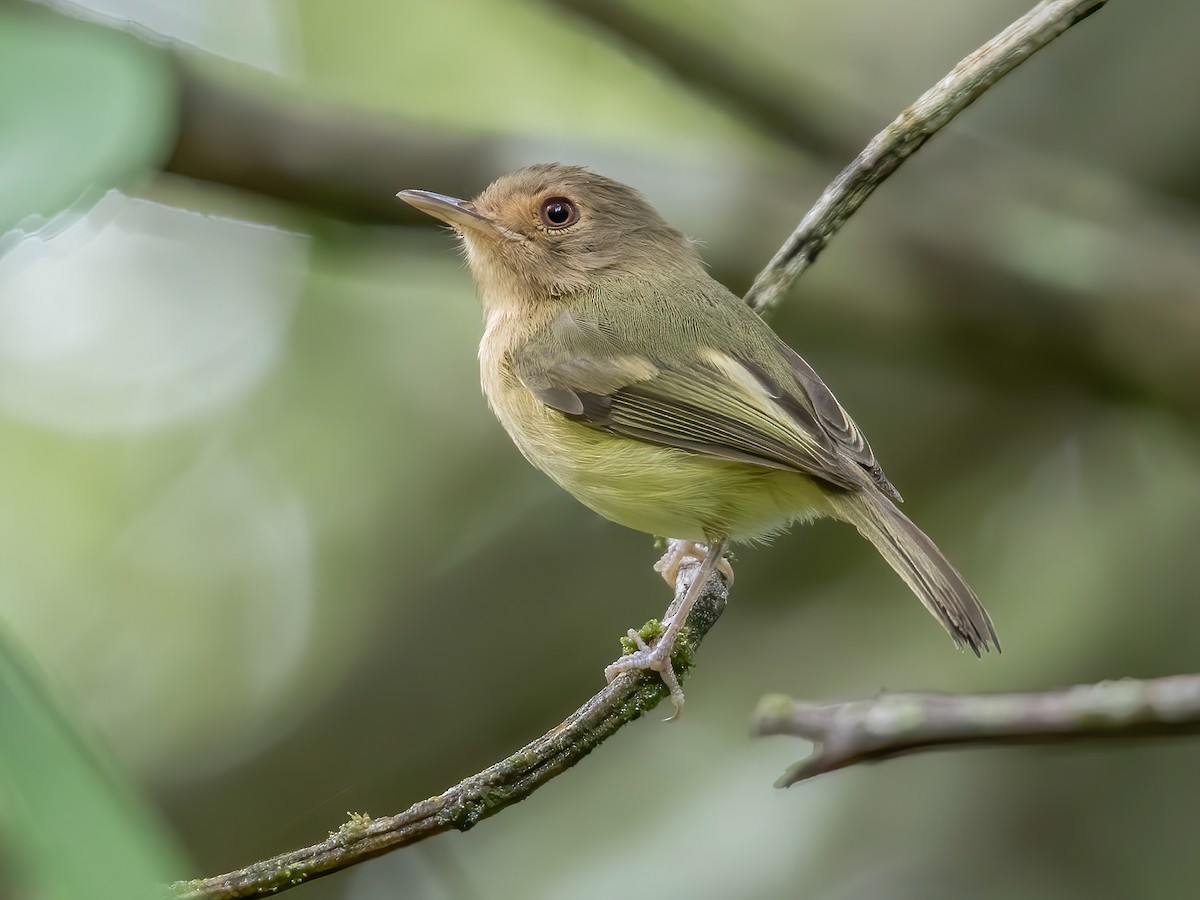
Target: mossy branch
(486,793)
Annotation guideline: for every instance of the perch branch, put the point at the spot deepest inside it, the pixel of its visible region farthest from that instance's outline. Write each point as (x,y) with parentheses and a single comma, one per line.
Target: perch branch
(486,793)
(895,724)
(630,696)
(932,111)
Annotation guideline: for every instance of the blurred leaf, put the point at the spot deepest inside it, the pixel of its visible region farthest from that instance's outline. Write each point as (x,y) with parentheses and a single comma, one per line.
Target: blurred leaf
(76,830)
(81,109)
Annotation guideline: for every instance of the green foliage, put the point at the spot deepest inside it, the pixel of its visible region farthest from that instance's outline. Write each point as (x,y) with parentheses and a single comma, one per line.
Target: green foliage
(81,109)
(71,826)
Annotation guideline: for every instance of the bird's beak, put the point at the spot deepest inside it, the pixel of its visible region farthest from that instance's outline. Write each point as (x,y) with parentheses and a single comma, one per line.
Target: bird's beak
(451,210)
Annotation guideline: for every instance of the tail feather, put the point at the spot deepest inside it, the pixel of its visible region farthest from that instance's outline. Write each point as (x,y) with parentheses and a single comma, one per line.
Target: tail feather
(923,567)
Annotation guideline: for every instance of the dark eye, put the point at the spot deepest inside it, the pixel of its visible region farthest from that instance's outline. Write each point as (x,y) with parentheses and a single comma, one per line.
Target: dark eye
(559,212)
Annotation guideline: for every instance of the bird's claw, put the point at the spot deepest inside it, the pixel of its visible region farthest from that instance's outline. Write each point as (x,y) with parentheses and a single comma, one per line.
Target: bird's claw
(657,658)
(653,659)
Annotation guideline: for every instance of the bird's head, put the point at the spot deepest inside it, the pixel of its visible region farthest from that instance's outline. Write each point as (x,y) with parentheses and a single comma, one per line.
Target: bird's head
(551,230)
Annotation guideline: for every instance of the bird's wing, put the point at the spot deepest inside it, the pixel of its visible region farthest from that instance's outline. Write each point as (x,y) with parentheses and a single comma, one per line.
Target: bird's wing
(713,404)
(818,400)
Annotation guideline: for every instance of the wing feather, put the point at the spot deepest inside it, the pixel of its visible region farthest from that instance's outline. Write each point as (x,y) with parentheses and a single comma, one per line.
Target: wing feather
(699,410)
(776,412)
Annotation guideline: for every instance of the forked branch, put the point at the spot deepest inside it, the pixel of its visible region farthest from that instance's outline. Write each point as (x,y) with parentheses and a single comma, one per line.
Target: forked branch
(889,725)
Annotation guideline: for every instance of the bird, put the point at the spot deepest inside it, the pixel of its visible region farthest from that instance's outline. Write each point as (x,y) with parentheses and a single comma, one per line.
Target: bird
(648,390)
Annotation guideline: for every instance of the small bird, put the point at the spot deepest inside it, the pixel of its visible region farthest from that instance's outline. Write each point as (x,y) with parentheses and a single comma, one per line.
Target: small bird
(659,399)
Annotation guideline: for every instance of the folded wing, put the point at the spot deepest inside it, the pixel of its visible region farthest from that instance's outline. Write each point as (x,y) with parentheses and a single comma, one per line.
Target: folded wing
(715,405)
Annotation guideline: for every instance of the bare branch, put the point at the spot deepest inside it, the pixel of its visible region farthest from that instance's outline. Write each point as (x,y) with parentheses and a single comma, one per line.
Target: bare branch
(895,724)
(473,799)
(932,111)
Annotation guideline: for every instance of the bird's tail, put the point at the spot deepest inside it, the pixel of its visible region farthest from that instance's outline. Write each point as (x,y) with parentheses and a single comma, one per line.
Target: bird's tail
(922,565)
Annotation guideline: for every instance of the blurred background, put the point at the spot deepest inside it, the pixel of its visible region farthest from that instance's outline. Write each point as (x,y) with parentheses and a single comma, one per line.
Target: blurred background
(275,561)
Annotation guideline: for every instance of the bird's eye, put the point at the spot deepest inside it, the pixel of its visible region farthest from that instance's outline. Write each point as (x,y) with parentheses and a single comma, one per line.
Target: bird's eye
(559,212)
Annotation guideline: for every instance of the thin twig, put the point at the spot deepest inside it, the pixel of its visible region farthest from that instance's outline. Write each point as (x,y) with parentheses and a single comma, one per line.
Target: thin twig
(895,724)
(486,793)
(633,694)
(932,111)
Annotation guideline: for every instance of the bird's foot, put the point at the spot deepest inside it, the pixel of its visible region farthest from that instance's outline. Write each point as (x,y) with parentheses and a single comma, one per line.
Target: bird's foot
(680,552)
(656,658)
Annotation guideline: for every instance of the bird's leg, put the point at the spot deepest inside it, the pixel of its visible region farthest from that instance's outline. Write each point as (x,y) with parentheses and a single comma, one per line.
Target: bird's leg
(658,657)
(679,552)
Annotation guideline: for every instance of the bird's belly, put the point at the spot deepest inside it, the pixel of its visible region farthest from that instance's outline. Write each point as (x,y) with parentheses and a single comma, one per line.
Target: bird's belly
(660,490)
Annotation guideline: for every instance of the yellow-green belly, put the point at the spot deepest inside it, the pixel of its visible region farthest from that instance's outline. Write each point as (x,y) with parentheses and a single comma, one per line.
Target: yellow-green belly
(659,490)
